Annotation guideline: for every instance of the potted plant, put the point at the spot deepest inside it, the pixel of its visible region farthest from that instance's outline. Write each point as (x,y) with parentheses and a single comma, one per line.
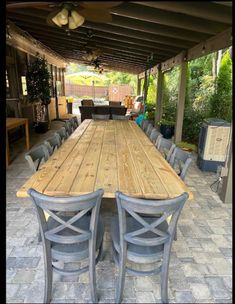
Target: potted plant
(167,128)
(39,88)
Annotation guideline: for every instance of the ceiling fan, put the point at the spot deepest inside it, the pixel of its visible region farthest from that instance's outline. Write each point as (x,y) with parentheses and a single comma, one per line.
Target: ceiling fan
(70,15)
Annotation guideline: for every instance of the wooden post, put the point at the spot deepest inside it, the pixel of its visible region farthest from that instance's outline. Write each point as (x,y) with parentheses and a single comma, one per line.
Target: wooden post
(226,190)
(181,101)
(138,85)
(145,86)
(159,96)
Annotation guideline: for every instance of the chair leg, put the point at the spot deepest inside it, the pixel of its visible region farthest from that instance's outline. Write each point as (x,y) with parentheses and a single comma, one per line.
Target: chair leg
(175,236)
(48,282)
(92,275)
(121,279)
(164,286)
(101,251)
(39,237)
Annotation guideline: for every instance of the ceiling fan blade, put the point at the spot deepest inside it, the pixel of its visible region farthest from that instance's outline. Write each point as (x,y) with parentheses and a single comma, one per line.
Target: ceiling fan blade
(26,4)
(96,15)
(100,4)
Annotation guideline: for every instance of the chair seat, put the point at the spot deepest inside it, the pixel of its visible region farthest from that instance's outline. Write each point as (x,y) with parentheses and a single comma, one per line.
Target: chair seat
(137,253)
(77,251)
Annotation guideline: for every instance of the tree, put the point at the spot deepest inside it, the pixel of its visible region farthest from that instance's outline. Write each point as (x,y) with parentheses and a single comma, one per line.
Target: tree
(221,101)
(39,86)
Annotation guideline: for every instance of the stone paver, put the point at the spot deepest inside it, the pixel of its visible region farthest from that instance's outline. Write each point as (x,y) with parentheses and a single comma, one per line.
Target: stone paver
(200,267)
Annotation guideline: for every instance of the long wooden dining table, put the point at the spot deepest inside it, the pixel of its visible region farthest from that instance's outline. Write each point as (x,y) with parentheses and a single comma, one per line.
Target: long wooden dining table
(113,155)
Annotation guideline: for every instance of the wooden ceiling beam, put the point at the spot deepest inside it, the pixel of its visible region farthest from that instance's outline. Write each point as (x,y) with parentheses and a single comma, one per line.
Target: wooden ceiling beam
(157,29)
(125,30)
(37,30)
(36,22)
(100,34)
(164,18)
(205,10)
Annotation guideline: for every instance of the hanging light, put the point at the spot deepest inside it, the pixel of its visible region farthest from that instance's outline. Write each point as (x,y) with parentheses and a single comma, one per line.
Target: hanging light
(67,17)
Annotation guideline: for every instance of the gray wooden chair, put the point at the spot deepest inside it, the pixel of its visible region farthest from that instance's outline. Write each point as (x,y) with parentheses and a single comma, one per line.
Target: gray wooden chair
(121,117)
(101,116)
(142,123)
(155,136)
(73,123)
(145,125)
(36,156)
(140,237)
(166,147)
(149,130)
(70,235)
(62,133)
(68,127)
(182,159)
(75,120)
(53,142)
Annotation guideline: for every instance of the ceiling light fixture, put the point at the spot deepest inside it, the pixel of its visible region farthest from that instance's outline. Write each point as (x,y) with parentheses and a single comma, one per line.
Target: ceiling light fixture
(66,17)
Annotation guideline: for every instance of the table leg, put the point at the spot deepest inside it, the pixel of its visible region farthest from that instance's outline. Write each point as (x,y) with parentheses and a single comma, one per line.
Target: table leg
(27,134)
(7,150)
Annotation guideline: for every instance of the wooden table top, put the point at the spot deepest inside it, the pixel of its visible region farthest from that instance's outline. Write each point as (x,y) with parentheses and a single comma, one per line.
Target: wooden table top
(113,155)
(13,122)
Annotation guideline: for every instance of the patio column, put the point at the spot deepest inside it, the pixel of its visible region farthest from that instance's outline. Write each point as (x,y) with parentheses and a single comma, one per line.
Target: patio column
(181,101)
(138,85)
(159,96)
(226,190)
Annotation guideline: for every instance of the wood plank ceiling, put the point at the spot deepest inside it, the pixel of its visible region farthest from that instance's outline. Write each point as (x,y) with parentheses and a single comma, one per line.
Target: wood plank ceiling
(137,29)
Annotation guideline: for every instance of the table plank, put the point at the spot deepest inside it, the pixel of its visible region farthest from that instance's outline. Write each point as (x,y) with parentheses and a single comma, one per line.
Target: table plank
(127,176)
(150,182)
(107,169)
(85,179)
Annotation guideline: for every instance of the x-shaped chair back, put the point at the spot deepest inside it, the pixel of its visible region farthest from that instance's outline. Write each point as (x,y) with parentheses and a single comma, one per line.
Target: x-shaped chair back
(140,210)
(66,211)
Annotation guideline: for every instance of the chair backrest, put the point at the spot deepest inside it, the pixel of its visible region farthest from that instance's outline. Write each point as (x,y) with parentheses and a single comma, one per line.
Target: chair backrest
(155,136)
(148,231)
(100,117)
(166,147)
(149,130)
(118,110)
(102,110)
(86,112)
(182,159)
(120,117)
(66,212)
(35,157)
(75,121)
(115,103)
(68,127)
(53,142)
(62,133)
(145,125)
(87,102)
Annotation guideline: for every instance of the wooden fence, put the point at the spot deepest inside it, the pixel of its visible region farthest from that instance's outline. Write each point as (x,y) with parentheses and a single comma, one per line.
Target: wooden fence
(111,92)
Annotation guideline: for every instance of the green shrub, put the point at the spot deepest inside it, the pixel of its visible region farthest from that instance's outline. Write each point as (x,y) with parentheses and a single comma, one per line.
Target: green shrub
(221,101)
(191,125)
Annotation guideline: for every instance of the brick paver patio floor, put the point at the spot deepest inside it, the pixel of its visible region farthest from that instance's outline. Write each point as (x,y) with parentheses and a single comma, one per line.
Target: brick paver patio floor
(201,261)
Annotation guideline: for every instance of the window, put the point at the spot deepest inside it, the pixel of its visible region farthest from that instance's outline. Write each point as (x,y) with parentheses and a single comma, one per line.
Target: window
(24,86)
